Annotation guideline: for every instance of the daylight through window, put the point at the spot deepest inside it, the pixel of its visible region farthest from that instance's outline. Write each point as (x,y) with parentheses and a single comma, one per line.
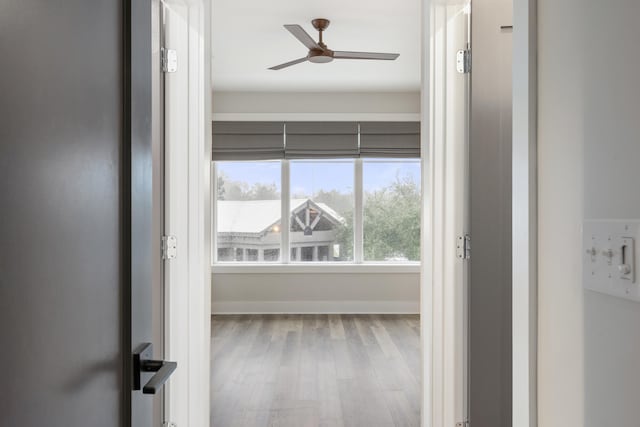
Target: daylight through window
(322,221)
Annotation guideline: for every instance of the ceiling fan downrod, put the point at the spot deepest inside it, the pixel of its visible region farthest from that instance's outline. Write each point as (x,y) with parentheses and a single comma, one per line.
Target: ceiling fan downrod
(321,24)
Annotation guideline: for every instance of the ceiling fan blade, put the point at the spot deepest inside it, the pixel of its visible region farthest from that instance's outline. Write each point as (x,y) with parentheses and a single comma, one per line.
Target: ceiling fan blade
(288,64)
(304,37)
(365,55)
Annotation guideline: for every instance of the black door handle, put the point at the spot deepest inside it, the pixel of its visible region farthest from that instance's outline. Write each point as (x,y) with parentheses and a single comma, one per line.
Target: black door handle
(143,362)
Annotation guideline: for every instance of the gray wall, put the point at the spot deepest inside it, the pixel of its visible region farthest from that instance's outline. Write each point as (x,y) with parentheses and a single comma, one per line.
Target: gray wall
(490,170)
(611,130)
(589,147)
(316,292)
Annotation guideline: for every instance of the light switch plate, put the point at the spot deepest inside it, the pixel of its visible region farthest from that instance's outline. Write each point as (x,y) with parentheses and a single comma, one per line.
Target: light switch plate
(610,257)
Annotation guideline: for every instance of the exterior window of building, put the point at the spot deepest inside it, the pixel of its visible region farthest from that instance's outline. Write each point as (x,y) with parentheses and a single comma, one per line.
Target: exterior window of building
(248,211)
(391,210)
(271,255)
(322,206)
(252,255)
(225,254)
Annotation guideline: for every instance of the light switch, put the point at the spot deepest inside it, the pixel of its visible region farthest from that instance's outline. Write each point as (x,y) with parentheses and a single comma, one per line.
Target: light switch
(610,259)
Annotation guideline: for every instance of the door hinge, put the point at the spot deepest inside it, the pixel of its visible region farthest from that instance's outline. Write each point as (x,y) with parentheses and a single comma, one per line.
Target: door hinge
(169,60)
(169,247)
(169,424)
(462,424)
(463,247)
(463,61)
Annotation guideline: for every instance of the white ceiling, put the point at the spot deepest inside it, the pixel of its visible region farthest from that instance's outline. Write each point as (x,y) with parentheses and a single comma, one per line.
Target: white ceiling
(248,38)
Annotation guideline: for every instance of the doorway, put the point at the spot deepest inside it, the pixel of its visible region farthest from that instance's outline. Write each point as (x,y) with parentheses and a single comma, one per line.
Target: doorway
(438,268)
(246,293)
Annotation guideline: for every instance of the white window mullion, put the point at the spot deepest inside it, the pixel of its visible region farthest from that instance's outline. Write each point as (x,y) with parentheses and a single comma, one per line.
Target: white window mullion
(358,256)
(214,213)
(285,209)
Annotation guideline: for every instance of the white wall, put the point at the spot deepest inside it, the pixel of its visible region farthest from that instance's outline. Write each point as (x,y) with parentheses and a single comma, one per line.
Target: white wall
(589,146)
(316,105)
(355,291)
(316,292)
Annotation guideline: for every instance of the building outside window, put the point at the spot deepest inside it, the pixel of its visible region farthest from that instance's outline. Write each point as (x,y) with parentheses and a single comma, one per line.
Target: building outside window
(324,220)
(248,211)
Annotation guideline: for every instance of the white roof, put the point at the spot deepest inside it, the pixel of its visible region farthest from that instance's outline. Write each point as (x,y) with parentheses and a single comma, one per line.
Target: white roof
(255,216)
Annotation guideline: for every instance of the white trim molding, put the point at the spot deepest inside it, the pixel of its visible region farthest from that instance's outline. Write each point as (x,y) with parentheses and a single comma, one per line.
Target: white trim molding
(188,214)
(429,405)
(316,117)
(525,264)
(316,307)
(444,148)
(314,268)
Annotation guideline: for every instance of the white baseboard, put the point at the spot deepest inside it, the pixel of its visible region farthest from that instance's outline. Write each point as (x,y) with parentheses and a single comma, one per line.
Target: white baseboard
(315,307)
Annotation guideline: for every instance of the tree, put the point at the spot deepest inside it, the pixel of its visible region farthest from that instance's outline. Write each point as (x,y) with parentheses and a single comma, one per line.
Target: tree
(342,203)
(220,187)
(240,190)
(263,192)
(392,221)
(339,202)
(344,236)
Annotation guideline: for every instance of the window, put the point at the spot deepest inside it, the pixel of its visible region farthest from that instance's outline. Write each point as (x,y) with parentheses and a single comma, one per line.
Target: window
(248,211)
(391,210)
(323,223)
(322,203)
(350,191)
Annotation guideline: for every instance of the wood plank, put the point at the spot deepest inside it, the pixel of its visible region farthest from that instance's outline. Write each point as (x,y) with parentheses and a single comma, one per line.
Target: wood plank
(315,370)
(335,323)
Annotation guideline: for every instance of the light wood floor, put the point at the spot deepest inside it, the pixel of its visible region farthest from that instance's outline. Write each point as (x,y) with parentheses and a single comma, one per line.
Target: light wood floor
(315,370)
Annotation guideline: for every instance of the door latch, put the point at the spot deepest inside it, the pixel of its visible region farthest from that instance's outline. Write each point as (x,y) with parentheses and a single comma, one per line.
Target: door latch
(142,362)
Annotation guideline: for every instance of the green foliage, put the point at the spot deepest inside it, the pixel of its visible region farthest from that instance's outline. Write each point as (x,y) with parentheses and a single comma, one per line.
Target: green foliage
(221,189)
(239,190)
(392,222)
(263,192)
(339,202)
(344,237)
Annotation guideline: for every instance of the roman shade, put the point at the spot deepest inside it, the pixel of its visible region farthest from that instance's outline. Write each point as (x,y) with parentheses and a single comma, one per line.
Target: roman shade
(247,140)
(309,140)
(390,139)
(314,140)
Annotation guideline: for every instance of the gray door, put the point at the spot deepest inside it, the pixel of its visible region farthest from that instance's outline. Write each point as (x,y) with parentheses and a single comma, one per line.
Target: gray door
(490,216)
(76,211)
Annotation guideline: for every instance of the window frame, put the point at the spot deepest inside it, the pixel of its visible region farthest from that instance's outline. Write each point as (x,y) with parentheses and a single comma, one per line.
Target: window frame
(285,264)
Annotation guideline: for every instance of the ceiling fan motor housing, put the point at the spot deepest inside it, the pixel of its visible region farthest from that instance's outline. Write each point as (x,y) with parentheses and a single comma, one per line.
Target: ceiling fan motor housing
(320,56)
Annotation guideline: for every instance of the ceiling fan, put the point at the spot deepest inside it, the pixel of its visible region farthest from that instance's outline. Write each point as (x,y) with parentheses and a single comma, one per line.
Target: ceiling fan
(318,51)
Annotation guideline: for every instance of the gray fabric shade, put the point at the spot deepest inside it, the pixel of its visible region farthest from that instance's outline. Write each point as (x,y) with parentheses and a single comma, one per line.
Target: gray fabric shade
(247,140)
(308,140)
(390,139)
(314,140)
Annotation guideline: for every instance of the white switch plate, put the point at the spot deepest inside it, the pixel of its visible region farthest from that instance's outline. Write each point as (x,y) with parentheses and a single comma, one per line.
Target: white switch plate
(610,257)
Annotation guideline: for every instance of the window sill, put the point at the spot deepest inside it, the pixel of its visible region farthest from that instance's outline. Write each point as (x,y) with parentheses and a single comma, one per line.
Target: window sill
(315,268)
